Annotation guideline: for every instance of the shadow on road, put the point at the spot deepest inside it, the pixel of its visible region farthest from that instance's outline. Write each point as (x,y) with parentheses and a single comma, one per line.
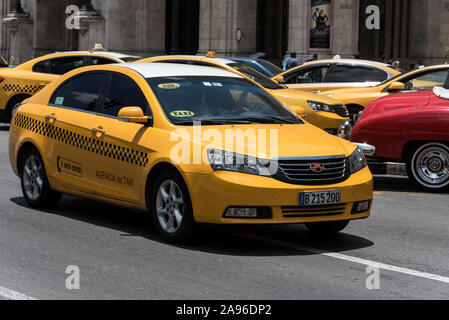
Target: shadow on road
(226,240)
(399,184)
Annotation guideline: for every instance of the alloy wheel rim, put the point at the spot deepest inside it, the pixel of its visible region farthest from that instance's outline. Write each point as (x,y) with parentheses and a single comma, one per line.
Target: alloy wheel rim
(169,206)
(33,180)
(432,166)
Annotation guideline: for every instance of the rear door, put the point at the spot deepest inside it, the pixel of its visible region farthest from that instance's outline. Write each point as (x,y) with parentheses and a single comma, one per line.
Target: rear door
(74,140)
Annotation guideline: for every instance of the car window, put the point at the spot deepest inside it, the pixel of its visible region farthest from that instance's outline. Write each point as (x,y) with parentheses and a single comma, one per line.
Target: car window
(63,65)
(81,92)
(41,67)
(218,100)
(100,61)
(123,92)
(270,66)
(343,73)
(426,80)
(307,75)
(256,76)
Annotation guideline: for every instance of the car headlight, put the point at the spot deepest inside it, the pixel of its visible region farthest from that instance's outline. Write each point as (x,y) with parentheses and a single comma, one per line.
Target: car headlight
(319,106)
(229,161)
(357,161)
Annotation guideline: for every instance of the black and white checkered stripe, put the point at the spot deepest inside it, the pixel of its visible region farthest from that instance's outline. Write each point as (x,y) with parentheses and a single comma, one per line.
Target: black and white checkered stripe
(109,150)
(32,89)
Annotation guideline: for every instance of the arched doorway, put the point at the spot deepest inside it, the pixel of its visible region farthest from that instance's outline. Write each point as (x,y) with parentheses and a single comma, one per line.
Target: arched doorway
(272,29)
(182,26)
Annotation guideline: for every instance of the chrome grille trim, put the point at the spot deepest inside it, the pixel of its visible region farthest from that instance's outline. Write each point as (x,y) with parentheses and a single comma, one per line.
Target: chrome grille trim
(298,171)
(313,211)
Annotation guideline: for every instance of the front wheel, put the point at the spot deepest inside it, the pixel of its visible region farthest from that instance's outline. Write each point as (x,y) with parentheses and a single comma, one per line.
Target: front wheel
(327,228)
(35,187)
(171,207)
(428,166)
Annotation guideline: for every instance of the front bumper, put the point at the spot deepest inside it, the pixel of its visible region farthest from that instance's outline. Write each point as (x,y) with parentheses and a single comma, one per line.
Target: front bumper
(212,194)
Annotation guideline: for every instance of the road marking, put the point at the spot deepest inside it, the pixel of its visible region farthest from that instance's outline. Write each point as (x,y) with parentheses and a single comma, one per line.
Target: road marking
(13,295)
(340,256)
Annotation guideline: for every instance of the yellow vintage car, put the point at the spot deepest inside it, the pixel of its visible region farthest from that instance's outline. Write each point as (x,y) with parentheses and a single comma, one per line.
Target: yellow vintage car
(174,141)
(23,81)
(323,75)
(356,99)
(327,114)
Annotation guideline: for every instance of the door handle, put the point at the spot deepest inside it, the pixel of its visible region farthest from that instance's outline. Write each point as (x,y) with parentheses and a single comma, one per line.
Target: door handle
(51,118)
(99,131)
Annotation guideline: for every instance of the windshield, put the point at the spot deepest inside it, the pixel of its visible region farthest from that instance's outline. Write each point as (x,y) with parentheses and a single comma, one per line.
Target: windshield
(217,100)
(256,76)
(270,66)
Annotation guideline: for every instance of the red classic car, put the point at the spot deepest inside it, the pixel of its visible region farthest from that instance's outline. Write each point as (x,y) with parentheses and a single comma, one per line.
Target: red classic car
(409,131)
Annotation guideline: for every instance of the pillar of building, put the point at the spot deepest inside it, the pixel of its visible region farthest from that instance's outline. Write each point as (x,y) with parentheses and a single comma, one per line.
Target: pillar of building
(219,21)
(19,33)
(344,24)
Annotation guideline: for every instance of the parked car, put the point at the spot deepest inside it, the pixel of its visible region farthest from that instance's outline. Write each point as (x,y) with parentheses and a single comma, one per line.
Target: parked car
(327,114)
(356,99)
(263,66)
(128,134)
(408,134)
(23,81)
(324,75)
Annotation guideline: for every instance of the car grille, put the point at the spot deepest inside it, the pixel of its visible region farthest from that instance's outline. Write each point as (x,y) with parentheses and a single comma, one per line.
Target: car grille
(341,110)
(313,211)
(300,171)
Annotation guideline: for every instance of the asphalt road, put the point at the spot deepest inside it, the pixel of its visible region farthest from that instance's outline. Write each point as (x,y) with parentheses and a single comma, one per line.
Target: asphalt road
(120,256)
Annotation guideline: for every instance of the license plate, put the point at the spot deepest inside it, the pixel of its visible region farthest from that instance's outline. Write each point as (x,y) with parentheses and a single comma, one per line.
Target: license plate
(319,198)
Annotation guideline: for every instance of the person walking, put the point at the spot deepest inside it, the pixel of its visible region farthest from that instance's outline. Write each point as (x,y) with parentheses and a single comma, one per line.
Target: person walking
(291,62)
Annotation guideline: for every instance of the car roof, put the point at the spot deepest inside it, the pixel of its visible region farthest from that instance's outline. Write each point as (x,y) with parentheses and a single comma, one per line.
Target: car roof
(198,58)
(156,70)
(351,61)
(116,55)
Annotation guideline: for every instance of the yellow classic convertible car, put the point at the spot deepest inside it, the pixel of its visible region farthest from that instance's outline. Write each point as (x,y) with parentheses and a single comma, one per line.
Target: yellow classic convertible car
(356,99)
(327,114)
(23,81)
(177,142)
(323,75)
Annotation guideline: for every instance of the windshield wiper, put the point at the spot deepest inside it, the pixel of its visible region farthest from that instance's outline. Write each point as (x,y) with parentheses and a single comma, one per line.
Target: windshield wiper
(267,119)
(212,122)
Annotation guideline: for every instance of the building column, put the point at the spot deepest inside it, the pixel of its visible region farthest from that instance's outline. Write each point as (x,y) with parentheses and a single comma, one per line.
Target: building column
(19,31)
(219,20)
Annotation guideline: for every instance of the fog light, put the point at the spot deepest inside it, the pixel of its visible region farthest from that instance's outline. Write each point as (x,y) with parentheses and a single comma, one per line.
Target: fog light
(361,206)
(248,213)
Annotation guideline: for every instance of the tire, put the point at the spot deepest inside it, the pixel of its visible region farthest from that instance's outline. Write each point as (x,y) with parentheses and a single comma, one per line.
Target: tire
(428,166)
(171,208)
(11,105)
(327,228)
(35,187)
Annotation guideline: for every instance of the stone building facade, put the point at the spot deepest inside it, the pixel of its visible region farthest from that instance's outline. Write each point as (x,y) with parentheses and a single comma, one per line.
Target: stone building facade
(410,30)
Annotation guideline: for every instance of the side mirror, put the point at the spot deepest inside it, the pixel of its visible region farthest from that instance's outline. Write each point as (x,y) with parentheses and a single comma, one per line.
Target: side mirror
(278,79)
(133,115)
(396,86)
(299,111)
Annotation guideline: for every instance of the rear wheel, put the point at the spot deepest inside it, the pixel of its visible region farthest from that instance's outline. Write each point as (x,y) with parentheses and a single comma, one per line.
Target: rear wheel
(327,228)
(11,105)
(35,187)
(428,166)
(171,207)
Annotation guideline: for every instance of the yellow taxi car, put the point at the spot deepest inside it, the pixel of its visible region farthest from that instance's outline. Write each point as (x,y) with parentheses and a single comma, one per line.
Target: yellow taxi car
(327,114)
(176,141)
(323,75)
(23,81)
(356,99)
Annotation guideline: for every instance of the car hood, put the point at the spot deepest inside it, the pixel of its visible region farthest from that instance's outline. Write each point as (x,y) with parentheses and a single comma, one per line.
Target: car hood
(302,95)
(334,94)
(302,140)
(399,101)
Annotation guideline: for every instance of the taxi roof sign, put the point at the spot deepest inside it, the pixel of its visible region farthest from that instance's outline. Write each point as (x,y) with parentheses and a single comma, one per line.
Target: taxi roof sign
(211,54)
